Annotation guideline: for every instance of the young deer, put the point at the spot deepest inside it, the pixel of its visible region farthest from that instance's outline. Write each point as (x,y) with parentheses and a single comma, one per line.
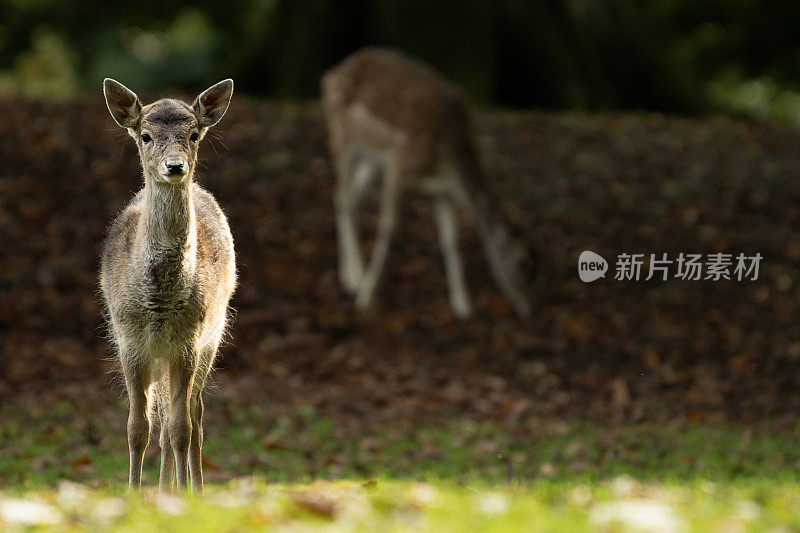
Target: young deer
(167,274)
(392,117)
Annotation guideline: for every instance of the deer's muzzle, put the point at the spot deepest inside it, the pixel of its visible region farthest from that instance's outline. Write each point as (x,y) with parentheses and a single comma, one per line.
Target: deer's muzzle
(173,169)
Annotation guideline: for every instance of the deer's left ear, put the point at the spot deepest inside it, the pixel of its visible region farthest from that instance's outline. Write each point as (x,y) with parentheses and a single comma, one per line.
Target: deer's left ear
(123,103)
(213,102)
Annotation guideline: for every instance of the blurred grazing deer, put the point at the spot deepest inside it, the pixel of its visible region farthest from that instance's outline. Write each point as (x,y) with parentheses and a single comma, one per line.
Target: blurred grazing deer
(394,118)
(167,274)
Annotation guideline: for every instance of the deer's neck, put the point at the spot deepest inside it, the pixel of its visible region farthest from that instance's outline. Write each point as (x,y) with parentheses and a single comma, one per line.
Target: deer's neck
(167,228)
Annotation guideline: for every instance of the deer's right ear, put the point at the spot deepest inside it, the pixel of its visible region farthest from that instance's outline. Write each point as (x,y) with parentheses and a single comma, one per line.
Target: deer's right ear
(213,102)
(123,103)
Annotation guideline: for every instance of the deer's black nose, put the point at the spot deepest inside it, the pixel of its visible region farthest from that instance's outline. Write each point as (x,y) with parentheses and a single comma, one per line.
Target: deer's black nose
(175,168)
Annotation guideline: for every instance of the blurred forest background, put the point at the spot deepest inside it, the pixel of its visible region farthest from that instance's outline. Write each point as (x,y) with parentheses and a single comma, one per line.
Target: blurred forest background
(676,56)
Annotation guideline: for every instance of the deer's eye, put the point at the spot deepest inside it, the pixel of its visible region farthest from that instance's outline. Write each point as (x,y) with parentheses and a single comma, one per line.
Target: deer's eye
(193,137)
(146,138)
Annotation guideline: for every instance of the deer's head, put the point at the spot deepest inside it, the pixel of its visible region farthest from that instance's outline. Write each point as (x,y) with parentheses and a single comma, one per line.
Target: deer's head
(168,131)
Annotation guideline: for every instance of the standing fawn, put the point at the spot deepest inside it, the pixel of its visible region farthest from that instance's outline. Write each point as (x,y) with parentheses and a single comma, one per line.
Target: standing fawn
(167,274)
(394,118)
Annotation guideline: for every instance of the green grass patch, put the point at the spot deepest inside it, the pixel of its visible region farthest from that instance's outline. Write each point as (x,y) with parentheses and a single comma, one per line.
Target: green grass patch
(68,464)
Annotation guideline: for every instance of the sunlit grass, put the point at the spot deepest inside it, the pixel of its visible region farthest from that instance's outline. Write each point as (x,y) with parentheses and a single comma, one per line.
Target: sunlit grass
(404,505)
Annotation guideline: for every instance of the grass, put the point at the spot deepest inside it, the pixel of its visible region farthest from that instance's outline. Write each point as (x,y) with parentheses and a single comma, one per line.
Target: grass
(405,505)
(300,468)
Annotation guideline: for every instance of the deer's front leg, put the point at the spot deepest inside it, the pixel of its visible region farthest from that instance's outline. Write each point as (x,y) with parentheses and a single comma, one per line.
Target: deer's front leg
(181,378)
(383,239)
(351,265)
(207,355)
(196,448)
(137,381)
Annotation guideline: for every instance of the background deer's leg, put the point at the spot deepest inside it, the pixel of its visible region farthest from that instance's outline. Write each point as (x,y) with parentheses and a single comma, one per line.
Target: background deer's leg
(351,265)
(503,255)
(386,224)
(447,220)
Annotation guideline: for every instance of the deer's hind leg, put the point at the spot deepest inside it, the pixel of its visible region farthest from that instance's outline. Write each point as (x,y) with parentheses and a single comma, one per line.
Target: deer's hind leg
(166,477)
(447,221)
